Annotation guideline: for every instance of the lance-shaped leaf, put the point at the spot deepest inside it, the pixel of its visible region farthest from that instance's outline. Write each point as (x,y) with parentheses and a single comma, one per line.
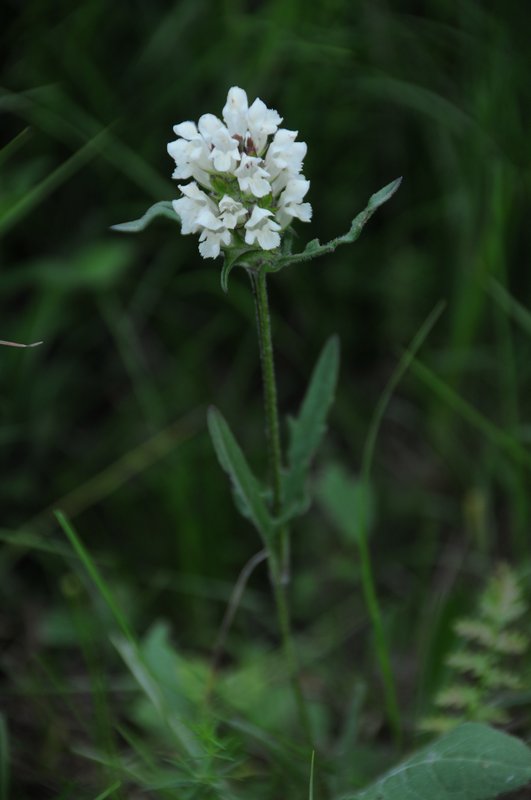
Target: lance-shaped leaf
(473,762)
(162,209)
(306,431)
(18,344)
(247,491)
(314,249)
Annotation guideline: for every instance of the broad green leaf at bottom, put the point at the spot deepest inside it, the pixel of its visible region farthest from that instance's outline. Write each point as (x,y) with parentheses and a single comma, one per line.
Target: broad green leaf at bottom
(472,762)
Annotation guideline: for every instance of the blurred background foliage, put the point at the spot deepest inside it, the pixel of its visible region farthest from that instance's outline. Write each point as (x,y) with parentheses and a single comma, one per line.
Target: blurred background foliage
(107,419)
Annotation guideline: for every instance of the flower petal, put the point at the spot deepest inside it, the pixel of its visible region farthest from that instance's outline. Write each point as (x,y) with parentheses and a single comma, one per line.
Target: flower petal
(235,111)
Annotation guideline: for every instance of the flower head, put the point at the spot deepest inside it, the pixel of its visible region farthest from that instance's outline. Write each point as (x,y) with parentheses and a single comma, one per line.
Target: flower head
(247,183)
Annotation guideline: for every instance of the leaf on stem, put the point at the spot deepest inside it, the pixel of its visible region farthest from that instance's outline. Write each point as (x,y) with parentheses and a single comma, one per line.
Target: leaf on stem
(18,344)
(314,249)
(236,257)
(473,762)
(307,430)
(241,257)
(162,209)
(246,488)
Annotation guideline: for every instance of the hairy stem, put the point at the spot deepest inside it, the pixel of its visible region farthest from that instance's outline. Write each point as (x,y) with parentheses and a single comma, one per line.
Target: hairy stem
(274,447)
(278,559)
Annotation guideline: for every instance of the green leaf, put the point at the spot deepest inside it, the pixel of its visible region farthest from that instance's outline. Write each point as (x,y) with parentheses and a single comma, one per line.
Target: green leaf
(472,762)
(347,501)
(246,488)
(162,209)
(240,257)
(173,685)
(156,694)
(307,430)
(232,258)
(379,198)
(229,262)
(314,249)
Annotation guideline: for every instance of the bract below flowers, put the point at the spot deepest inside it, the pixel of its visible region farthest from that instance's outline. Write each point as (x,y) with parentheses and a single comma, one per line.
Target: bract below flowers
(247,182)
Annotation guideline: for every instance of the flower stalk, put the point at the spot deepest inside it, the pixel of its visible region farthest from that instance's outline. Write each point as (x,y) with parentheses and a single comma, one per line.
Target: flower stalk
(278,558)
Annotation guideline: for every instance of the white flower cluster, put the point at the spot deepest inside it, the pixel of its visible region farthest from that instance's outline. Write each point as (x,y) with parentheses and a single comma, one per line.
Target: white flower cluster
(247,177)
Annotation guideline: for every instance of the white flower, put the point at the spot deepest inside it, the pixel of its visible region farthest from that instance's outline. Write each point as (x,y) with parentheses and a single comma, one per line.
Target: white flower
(237,161)
(262,229)
(235,112)
(190,206)
(285,154)
(224,153)
(199,214)
(210,242)
(213,233)
(252,124)
(290,202)
(209,218)
(208,126)
(261,121)
(252,177)
(231,211)
(191,154)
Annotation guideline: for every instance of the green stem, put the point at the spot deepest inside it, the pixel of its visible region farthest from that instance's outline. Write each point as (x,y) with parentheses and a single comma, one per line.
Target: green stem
(367,574)
(382,651)
(274,447)
(278,562)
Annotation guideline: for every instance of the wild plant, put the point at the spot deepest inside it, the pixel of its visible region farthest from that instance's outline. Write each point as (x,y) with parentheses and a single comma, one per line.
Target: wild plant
(245,192)
(484,665)
(242,189)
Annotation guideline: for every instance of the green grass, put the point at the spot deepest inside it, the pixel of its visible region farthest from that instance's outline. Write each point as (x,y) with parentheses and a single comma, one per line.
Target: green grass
(108,632)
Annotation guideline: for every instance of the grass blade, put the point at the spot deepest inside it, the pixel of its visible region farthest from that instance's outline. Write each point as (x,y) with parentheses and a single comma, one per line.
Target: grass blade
(519,313)
(127,646)
(367,576)
(495,435)
(108,792)
(11,147)
(95,575)
(63,172)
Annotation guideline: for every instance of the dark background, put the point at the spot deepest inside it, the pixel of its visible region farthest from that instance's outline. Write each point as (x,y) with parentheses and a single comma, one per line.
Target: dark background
(106,420)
